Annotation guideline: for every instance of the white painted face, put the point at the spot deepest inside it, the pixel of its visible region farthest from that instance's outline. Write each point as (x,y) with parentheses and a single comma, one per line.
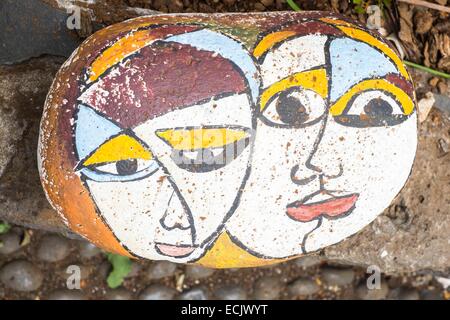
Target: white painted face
(171,203)
(333,146)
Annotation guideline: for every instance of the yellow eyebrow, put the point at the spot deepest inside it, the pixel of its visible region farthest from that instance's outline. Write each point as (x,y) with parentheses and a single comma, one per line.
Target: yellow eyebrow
(201,138)
(122,147)
(381,84)
(369,39)
(315,80)
(118,51)
(337,22)
(270,40)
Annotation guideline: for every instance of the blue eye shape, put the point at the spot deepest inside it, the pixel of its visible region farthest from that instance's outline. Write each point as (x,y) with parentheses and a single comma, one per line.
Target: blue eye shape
(121,171)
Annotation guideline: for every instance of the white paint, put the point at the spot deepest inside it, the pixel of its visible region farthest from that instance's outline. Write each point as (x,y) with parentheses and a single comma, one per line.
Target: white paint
(284,61)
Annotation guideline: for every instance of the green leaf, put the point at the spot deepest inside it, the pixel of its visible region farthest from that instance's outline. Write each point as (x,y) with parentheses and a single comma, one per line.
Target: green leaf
(4,227)
(121,267)
(359,9)
(293,5)
(426,69)
(357,1)
(387,3)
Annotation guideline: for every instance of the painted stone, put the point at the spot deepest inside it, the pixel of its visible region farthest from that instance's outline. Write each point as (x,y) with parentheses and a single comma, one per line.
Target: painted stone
(227,140)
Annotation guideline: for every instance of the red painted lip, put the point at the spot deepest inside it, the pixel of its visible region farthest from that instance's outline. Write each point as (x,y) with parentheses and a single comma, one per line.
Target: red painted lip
(173,250)
(333,207)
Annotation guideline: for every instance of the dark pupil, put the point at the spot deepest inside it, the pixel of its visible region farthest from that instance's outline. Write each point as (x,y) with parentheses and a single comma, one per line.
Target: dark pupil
(291,110)
(126,167)
(378,107)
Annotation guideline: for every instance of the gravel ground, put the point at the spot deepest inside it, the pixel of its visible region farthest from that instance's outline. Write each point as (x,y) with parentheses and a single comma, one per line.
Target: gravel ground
(34,265)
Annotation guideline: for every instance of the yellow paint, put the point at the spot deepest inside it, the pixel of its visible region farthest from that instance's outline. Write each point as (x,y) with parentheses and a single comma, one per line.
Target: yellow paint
(118,51)
(373,84)
(226,254)
(337,22)
(374,42)
(315,80)
(201,138)
(122,147)
(270,40)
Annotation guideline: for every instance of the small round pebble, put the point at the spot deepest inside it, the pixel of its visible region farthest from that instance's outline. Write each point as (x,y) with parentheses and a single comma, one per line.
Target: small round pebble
(198,272)
(118,294)
(197,293)
(404,294)
(88,250)
(66,294)
(157,292)
(303,287)
(364,293)
(268,288)
(433,294)
(136,268)
(161,269)
(103,270)
(53,248)
(9,242)
(337,277)
(21,275)
(307,261)
(231,293)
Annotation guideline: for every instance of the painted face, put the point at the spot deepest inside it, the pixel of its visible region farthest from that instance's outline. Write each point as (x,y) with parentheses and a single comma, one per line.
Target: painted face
(336,139)
(163,142)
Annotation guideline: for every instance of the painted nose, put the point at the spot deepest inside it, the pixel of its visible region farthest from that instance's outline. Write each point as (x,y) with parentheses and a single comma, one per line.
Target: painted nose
(176,216)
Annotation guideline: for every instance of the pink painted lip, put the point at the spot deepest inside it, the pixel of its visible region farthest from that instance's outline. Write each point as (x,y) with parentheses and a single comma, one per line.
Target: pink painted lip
(173,250)
(333,207)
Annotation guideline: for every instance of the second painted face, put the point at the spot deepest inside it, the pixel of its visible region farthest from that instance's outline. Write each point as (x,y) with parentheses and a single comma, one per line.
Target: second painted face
(335,142)
(163,140)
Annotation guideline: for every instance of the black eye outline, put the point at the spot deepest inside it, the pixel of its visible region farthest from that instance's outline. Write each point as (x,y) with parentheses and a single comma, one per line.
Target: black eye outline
(270,123)
(151,164)
(370,121)
(229,153)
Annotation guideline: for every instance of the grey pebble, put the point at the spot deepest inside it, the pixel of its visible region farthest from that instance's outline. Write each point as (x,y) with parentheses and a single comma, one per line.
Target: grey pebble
(303,287)
(307,261)
(161,269)
(364,293)
(53,248)
(157,292)
(198,272)
(337,276)
(404,294)
(431,295)
(103,270)
(136,268)
(21,275)
(118,294)
(196,293)
(9,242)
(88,250)
(231,293)
(66,294)
(267,288)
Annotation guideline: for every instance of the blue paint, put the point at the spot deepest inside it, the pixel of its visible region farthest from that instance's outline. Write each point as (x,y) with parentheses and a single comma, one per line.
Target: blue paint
(91,131)
(353,61)
(226,47)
